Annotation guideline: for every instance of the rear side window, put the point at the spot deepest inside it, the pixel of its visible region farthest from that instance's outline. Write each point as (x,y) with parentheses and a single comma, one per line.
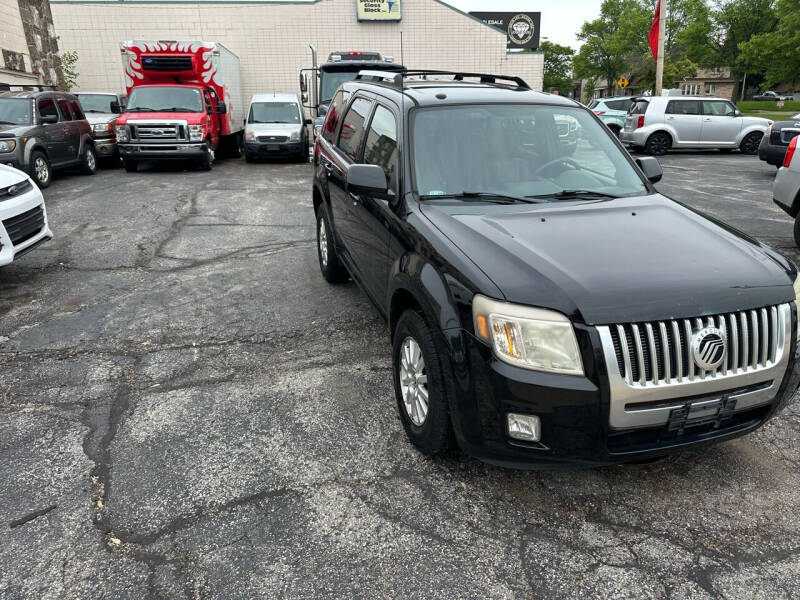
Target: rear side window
(77,111)
(63,105)
(593,104)
(639,107)
(619,104)
(47,108)
(353,127)
(683,107)
(381,146)
(718,108)
(332,120)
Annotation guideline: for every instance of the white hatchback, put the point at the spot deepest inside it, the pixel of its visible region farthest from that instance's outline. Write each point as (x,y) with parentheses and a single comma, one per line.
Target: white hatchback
(23,218)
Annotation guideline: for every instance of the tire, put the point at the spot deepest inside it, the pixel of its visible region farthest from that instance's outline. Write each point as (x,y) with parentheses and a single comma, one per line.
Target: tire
(207,161)
(420,386)
(40,170)
(751,142)
(329,264)
(235,149)
(615,130)
(658,144)
(248,157)
(89,161)
(797,231)
(130,165)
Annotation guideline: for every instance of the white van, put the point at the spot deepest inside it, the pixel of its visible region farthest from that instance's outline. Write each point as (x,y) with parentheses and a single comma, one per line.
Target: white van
(275,127)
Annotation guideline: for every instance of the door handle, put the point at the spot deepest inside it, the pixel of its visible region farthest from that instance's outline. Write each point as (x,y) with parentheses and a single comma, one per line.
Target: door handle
(355,198)
(670,118)
(328,168)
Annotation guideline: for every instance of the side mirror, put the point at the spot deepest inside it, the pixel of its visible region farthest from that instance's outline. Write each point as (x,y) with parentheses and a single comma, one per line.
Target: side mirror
(304,98)
(737,113)
(366,179)
(308,122)
(115,108)
(221,108)
(303,83)
(46,119)
(651,168)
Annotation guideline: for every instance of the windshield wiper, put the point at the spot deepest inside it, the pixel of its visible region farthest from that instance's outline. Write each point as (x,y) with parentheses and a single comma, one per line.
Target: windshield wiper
(177,109)
(502,198)
(564,194)
(7,123)
(139,109)
(94,111)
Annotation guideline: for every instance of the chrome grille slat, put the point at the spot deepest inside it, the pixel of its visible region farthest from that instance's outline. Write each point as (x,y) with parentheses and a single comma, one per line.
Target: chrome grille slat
(652,353)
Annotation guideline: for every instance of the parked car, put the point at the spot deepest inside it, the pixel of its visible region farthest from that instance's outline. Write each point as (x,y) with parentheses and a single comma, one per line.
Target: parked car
(771,96)
(275,127)
(612,111)
(776,139)
(543,306)
(656,124)
(44,130)
(23,217)
(786,189)
(102,110)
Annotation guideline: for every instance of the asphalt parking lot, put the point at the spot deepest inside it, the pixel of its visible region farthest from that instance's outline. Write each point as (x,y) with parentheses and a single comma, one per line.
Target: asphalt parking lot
(188,410)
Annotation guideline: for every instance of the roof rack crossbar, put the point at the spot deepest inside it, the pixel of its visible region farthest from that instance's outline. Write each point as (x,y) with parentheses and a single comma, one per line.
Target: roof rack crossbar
(396,77)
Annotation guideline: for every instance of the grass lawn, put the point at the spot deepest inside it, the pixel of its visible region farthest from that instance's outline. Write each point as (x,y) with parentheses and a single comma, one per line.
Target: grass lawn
(775,116)
(751,105)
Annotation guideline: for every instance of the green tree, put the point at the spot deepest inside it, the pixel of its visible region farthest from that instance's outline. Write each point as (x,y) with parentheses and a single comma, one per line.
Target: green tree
(69,60)
(736,22)
(557,67)
(776,53)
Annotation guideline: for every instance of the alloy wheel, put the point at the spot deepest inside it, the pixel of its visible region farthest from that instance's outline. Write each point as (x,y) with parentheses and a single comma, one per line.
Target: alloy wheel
(42,172)
(323,243)
(90,160)
(413,381)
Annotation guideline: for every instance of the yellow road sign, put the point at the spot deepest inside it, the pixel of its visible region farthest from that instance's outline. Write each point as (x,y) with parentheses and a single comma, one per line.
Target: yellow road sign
(622,82)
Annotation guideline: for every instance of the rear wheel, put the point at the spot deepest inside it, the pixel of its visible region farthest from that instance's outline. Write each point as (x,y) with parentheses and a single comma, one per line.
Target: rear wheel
(235,149)
(40,169)
(89,161)
(751,142)
(332,269)
(130,165)
(419,385)
(658,143)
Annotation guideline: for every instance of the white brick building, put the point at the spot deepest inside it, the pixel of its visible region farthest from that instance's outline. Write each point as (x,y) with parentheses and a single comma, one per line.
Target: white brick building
(272,37)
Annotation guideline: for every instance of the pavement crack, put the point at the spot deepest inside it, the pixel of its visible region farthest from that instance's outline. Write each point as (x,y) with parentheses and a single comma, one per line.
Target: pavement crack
(31,516)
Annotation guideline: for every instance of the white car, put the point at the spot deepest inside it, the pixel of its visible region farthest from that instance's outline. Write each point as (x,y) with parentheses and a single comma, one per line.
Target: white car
(23,218)
(786,189)
(275,127)
(658,123)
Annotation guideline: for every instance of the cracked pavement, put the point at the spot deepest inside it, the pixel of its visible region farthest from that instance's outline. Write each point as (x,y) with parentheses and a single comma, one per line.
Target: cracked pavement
(187,410)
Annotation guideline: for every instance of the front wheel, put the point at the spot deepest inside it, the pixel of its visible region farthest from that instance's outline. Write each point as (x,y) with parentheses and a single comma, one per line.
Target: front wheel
(89,161)
(419,385)
(751,142)
(130,165)
(40,169)
(208,160)
(332,269)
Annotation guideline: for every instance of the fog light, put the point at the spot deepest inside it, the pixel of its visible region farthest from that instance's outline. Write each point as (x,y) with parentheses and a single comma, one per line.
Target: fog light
(527,428)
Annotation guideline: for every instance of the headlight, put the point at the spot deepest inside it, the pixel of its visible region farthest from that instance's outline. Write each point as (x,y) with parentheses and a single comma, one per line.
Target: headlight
(103,128)
(7,145)
(121,132)
(250,135)
(294,136)
(768,131)
(528,337)
(796,287)
(195,133)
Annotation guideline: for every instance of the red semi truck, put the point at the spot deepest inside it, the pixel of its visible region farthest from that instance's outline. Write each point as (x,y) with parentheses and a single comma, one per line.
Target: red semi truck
(184,102)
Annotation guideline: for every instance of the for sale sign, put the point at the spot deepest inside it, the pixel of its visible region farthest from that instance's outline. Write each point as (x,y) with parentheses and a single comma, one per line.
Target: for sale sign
(378,10)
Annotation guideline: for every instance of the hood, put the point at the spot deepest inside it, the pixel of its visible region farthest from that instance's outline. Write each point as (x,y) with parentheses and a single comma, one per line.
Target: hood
(625,260)
(10,176)
(8,131)
(274,128)
(191,118)
(100,118)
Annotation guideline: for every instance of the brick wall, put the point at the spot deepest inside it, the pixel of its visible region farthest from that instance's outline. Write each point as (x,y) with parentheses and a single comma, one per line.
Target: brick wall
(272,39)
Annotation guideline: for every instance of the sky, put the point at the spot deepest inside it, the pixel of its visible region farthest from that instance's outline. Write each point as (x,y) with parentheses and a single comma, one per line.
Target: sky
(561,19)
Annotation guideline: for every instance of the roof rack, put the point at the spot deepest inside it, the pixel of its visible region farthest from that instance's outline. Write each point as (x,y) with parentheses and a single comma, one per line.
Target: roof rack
(26,87)
(397,78)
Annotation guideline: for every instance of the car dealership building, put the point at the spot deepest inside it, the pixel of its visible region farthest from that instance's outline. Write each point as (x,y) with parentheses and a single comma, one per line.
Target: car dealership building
(272,38)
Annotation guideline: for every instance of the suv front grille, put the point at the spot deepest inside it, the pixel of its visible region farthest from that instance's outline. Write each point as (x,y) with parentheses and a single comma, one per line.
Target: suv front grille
(660,353)
(24,226)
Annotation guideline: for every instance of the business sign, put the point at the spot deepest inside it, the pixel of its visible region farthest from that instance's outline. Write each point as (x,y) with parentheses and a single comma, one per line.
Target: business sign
(521,29)
(378,10)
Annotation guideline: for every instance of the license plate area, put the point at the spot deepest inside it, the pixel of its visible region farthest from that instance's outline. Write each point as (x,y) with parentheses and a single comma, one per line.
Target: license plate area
(707,411)
(273,147)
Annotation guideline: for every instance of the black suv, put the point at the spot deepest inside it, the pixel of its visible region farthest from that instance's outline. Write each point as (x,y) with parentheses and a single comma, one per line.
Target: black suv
(44,130)
(546,304)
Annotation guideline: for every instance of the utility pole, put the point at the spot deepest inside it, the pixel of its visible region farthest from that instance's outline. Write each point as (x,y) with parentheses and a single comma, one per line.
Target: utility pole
(662,18)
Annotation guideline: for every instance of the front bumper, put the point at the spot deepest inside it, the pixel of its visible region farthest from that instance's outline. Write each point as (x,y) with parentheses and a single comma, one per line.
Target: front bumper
(771,154)
(575,411)
(275,148)
(162,151)
(12,210)
(105,147)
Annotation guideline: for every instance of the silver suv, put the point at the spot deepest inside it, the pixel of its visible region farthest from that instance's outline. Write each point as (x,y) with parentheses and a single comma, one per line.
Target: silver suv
(658,123)
(44,130)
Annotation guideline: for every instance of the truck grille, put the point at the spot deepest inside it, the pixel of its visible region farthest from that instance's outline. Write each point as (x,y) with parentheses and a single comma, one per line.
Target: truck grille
(166,63)
(24,226)
(660,353)
(272,138)
(158,132)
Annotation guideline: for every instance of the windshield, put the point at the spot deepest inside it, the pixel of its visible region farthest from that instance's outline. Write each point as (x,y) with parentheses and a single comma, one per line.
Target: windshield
(165,99)
(15,111)
(330,82)
(518,150)
(274,112)
(96,103)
